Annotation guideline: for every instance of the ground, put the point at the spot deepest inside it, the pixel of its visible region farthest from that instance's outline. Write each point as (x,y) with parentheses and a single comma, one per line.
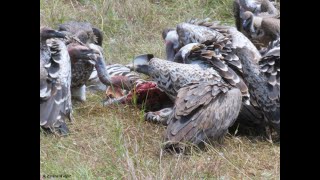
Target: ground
(115,142)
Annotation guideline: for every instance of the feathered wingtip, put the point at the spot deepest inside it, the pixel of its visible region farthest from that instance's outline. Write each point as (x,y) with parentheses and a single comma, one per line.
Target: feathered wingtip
(207,22)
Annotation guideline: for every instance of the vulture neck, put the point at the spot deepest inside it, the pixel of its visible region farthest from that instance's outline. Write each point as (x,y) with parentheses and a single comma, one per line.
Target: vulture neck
(102,71)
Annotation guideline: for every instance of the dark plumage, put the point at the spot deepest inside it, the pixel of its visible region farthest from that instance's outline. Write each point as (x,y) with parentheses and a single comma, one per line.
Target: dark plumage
(203,111)
(226,64)
(264,83)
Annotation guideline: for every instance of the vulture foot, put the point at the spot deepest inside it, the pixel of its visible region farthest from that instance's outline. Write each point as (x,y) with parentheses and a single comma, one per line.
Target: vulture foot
(161,116)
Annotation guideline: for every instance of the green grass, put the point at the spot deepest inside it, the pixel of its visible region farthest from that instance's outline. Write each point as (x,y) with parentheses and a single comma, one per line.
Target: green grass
(115,142)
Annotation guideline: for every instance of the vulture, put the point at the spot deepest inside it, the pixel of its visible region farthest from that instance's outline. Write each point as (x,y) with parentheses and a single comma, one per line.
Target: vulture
(249,15)
(264,82)
(261,29)
(59,73)
(205,105)
(84,71)
(55,81)
(212,45)
(83,64)
(194,53)
(171,39)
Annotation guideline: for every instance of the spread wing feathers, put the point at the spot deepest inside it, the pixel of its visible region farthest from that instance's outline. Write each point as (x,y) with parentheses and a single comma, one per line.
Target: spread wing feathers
(263,89)
(55,110)
(203,22)
(221,57)
(220,39)
(190,33)
(217,37)
(203,110)
(213,25)
(55,99)
(52,69)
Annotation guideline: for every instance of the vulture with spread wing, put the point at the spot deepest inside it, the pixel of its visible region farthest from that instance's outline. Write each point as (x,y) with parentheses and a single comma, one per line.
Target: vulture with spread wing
(205,105)
(213,45)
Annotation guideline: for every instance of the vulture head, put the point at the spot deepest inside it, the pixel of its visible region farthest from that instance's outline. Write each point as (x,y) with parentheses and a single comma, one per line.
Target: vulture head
(171,39)
(141,63)
(80,52)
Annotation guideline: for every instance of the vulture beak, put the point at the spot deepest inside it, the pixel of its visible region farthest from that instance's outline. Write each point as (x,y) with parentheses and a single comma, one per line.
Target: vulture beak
(141,63)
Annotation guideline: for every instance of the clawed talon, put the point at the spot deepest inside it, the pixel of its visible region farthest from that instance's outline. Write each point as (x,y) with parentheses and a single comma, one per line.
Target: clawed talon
(161,116)
(153,117)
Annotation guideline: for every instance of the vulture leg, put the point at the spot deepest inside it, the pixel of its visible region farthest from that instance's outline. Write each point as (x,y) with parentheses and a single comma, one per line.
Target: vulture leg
(79,94)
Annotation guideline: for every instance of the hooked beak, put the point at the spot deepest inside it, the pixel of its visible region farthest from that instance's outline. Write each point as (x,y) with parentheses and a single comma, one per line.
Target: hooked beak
(141,63)
(139,60)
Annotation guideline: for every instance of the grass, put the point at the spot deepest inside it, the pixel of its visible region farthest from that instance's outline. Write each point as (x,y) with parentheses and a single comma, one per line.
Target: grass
(115,142)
